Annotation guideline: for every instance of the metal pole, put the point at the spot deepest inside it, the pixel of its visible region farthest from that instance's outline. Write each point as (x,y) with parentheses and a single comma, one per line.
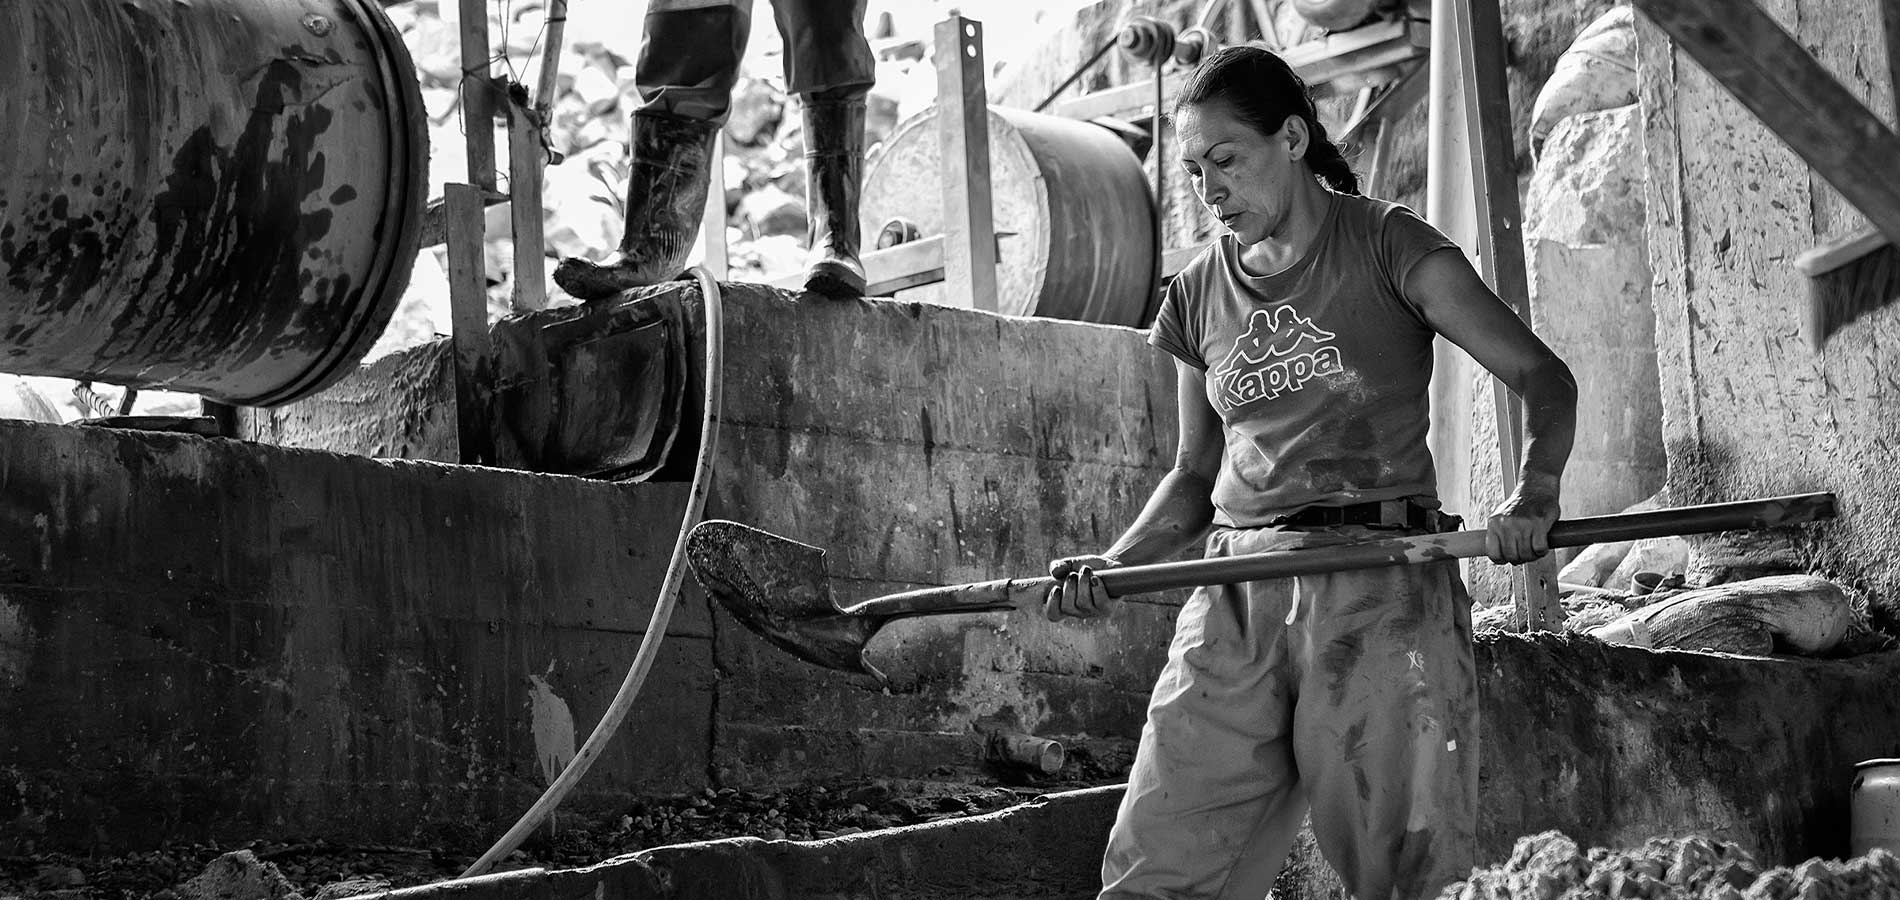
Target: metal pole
(963,137)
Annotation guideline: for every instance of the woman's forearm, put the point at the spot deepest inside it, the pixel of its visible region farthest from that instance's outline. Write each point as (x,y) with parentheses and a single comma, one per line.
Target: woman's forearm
(1550,425)
(1176,516)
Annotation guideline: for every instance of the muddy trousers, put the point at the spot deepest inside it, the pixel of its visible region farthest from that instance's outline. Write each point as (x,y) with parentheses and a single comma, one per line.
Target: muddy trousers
(689,58)
(1352,694)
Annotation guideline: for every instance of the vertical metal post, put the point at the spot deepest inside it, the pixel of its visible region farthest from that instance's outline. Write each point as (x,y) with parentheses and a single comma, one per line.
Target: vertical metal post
(468,318)
(478,99)
(963,137)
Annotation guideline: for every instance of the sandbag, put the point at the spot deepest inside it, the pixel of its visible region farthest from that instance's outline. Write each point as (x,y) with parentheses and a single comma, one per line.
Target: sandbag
(1803,614)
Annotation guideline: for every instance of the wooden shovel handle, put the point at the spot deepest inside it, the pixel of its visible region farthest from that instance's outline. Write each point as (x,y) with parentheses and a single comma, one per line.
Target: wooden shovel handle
(1012,593)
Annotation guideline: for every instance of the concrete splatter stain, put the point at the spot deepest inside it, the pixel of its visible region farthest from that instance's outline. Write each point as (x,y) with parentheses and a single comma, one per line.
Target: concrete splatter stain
(14,640)
(553,726)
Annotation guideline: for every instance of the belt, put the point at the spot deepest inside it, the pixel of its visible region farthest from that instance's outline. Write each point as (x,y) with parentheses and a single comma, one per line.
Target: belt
(1376,514)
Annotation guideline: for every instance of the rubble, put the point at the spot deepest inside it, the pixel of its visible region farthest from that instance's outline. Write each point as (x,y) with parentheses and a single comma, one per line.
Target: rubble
(1550,866)
(324,870)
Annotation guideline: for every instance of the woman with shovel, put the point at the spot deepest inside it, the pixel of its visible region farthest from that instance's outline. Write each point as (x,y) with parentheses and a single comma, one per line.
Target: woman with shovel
(1304,347)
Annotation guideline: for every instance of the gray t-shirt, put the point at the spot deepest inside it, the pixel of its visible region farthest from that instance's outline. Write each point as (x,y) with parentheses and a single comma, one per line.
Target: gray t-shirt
(1320,372)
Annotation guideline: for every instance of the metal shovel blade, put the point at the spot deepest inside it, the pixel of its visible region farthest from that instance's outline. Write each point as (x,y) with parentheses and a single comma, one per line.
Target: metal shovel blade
(781,589)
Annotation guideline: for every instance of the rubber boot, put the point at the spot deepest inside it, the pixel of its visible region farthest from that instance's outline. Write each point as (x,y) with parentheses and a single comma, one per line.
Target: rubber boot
(667,179)
(834,165)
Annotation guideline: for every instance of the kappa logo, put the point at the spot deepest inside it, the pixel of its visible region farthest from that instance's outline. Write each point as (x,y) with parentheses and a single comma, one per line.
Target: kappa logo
(1280,352)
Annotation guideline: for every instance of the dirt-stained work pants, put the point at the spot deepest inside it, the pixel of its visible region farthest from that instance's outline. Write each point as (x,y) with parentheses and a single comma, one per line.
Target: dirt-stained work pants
(1354,694)
(689,59)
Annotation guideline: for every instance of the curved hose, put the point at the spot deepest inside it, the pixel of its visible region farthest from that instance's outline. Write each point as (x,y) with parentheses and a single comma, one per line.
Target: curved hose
(662,609)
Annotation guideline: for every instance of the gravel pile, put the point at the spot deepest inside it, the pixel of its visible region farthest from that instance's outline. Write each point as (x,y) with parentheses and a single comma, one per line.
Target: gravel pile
(1550,866)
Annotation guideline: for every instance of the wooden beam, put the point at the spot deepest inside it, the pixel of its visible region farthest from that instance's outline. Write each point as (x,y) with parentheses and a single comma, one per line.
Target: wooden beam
(468,320)
(1319,63)
(1501,234)
(891,269)
(1399,98)
(712,227)
(478,104)
(527,160)
(1747,52)
(963,137)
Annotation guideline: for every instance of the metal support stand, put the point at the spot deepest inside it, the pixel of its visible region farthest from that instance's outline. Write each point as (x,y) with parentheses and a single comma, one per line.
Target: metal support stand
(963,135)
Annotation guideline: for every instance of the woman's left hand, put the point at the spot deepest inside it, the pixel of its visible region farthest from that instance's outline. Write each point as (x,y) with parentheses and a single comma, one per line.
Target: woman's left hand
(1519,530)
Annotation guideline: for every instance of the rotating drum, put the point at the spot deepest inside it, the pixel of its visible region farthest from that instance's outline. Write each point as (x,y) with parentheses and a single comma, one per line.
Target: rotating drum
(222,197)
(1075,232)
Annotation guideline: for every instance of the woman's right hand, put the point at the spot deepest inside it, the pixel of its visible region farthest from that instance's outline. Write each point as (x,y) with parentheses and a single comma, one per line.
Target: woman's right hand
(1078,591)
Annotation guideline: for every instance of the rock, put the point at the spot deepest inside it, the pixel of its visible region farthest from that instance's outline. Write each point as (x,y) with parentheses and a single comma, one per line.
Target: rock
(597,88)
(351,887)
(1598,71)
(437,50)
(59,878)
(757,109)
(1587,188)
(20,399)
(772,212)
(238,875)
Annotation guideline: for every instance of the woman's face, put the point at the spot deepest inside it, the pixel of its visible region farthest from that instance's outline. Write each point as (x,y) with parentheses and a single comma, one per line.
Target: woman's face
(1246,179)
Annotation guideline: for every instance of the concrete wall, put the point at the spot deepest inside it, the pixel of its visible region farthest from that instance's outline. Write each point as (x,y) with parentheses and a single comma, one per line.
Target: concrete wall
(1748,407)
(224,639)
(1611,745)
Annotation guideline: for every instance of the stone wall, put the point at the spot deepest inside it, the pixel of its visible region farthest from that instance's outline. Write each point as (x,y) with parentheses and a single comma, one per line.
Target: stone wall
(1749,408)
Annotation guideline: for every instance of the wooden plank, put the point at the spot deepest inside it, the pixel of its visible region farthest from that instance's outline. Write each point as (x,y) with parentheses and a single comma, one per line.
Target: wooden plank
(963,135)
(712,227)
(1399,98)
(527,160)
(1500,231)
(468,318)
(1778,80)
(1319,63)
(435,218)
(478,106)
(892,269)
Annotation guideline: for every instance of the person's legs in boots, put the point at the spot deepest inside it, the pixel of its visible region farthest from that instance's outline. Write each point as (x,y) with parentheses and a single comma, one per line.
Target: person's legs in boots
(689,63)
(1386,729)
(1214,800)
(828,64)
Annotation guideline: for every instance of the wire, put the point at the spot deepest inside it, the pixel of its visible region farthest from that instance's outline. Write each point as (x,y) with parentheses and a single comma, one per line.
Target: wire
(662,608)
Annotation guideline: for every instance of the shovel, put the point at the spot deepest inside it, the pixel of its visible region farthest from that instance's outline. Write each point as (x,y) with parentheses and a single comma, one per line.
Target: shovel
(781,589)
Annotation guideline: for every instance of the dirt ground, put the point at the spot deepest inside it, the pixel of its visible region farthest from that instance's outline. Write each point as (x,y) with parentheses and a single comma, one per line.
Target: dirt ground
(804,813)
